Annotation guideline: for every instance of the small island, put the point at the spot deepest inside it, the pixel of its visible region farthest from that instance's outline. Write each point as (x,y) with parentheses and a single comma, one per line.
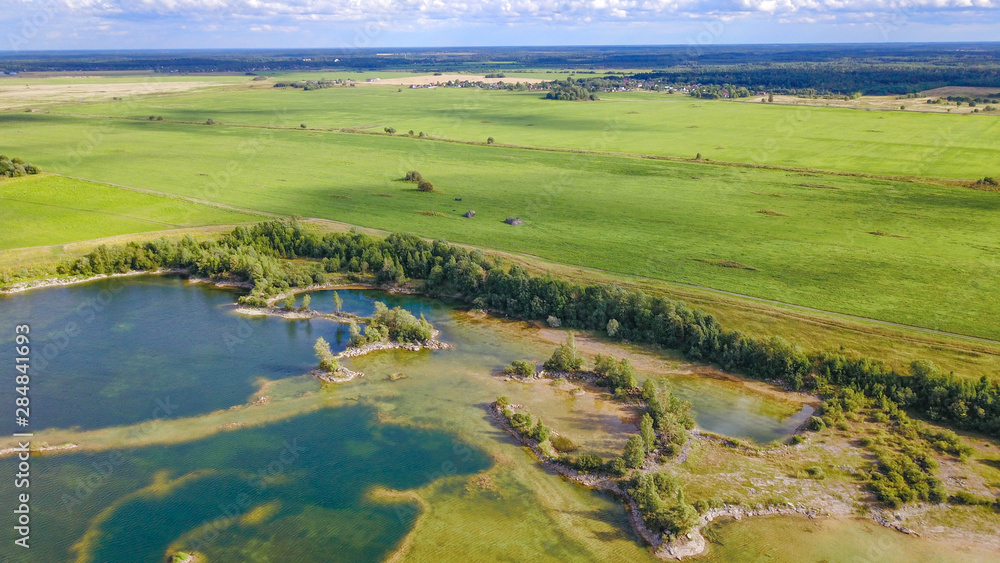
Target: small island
(387,329)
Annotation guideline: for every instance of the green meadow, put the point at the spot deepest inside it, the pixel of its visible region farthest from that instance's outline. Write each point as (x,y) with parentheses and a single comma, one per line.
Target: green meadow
(894,143)
(44,210)
(876,248)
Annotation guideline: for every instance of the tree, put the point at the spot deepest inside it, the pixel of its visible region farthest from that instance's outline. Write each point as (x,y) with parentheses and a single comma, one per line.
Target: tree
(613,327)
(306,301)
(327,361)
(565,357)
(697,156)
(540,432)
(390,130)
(635,452)
(489,140)
(338,303)
(289,302)
(647,432)
(770,97)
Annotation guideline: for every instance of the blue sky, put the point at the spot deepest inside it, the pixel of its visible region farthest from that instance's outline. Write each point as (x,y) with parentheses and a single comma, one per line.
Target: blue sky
(136,24)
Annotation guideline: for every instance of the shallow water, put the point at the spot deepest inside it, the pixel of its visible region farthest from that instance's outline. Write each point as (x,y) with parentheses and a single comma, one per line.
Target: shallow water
(288,491)
(157,338)
(793,539)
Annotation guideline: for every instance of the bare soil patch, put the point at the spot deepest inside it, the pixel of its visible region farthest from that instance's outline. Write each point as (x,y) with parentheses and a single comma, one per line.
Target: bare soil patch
(17,96)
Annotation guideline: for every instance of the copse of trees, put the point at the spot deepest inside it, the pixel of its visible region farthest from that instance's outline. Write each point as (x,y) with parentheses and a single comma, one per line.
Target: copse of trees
(569,91)
(396,324)
(618,375)
(662,504)
(565,358)
(15,167)
(259,254)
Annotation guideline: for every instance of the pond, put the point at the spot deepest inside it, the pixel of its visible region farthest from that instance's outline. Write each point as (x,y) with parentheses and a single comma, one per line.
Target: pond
(296,479)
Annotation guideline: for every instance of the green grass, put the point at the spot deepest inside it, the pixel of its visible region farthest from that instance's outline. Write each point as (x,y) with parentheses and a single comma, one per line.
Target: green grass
(836,139)
(667,220)
(45,210)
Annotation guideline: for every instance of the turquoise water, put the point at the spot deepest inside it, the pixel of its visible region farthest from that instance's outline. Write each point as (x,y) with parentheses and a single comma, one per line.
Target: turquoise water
(117,352)
(311,472)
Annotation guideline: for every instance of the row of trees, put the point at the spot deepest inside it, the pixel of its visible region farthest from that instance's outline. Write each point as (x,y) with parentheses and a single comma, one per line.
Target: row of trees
(253,254)
(15,167)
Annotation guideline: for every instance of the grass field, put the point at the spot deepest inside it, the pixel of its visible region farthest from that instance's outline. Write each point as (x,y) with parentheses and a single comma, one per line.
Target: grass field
(46,210)
(836,139)
(879,249)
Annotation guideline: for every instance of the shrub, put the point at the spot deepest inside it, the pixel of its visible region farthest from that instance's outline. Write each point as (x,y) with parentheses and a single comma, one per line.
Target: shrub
(816,424)
(588,463)
(425,186)
(540,432)
(489,141)
(553,321)
(520,368)
(503,401)
(413,176)
(563,444)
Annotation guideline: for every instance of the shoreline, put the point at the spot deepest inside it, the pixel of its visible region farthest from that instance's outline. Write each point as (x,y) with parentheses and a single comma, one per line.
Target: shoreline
(372,347)
(21,287)
(694,542)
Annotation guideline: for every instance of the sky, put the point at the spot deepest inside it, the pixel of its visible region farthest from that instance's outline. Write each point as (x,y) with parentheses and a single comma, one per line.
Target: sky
(194,24)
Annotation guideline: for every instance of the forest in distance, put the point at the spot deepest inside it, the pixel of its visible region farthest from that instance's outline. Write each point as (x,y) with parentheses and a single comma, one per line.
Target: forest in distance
(839,69)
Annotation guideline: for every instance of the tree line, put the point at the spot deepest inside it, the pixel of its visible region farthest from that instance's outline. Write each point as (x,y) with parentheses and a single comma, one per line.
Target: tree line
(260,254)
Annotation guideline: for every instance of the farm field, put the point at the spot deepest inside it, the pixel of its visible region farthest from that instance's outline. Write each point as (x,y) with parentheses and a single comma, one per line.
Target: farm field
(894,143)
(46,210)
(875,248)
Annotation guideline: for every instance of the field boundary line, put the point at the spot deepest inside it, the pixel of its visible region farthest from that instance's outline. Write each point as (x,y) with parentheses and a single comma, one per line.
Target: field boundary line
(964,183)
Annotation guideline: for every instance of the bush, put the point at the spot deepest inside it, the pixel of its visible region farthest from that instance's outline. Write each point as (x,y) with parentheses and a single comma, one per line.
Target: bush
(15,167)
(540,432)
(520,368)
(503,401)
(968,499)
(816,424)
(563,444)
(425,186)
(413,176)
(553,321)
(489,141)
(589,463)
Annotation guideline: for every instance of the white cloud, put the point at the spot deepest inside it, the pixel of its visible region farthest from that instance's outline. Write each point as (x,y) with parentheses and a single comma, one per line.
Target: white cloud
(499,10)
